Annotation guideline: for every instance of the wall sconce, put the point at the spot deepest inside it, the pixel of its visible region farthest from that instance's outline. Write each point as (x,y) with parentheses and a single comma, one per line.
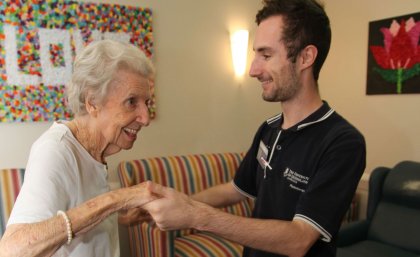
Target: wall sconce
(239,48)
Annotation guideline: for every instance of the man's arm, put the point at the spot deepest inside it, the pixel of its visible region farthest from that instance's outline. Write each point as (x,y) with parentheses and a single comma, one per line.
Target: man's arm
(219,196)
(177,211)
(291,238)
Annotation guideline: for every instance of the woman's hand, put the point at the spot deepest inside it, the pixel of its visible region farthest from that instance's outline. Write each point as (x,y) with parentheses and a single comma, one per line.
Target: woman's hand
(135,196)
(133,216)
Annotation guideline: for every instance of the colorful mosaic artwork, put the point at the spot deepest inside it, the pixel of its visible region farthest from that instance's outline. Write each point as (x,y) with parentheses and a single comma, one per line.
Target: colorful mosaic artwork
(57,55)
(38,42)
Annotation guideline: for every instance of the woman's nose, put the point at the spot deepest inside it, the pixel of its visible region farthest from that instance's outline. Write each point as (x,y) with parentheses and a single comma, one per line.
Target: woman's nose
(144,116)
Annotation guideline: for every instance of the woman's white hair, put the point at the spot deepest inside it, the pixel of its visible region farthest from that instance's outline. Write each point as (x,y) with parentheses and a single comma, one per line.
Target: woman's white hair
(95,67)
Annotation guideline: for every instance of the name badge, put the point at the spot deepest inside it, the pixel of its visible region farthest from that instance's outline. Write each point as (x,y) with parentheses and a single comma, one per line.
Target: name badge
(262,155)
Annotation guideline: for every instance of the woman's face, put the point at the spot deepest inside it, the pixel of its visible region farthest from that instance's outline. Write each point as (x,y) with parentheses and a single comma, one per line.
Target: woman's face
(124,111)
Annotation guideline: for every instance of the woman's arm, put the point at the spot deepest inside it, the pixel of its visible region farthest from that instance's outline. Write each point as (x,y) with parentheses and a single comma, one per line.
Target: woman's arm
(46,237)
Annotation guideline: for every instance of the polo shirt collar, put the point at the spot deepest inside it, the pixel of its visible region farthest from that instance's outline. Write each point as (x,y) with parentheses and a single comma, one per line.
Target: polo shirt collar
(319,115)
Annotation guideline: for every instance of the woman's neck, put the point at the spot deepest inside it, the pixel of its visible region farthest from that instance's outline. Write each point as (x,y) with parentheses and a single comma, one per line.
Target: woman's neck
(88,137)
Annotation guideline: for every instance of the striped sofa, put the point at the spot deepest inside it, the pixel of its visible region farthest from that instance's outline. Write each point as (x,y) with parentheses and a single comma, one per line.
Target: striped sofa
(188,174)
(10,183)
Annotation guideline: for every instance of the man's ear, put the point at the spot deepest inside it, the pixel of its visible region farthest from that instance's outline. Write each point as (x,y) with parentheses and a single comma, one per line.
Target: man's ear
(307,56)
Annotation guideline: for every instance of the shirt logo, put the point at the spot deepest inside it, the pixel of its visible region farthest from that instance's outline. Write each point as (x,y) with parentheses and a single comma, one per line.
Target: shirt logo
(297,180)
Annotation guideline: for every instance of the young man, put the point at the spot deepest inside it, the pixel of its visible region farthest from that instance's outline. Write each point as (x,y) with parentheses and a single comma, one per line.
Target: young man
(304,164)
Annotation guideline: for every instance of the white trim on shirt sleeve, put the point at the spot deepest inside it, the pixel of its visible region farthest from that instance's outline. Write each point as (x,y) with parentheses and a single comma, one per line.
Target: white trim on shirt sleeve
(242,192)
(326,237)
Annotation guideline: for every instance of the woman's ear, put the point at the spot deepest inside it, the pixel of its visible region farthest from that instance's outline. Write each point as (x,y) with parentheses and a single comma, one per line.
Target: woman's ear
(91,106)
(308,56)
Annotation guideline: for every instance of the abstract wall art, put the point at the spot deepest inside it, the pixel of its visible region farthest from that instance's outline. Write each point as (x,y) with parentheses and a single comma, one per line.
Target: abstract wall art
(38,42)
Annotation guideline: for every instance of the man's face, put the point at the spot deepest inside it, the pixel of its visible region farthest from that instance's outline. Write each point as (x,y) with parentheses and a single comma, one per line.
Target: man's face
(278,76)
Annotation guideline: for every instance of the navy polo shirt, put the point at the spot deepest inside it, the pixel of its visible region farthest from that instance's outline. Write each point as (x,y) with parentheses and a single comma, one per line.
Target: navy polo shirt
(309,172)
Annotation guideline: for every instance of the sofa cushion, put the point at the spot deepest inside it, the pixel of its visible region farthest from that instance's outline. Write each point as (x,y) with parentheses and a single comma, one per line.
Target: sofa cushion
(369,248)
(10,183)
(206,245)
(185,173)
(403,232)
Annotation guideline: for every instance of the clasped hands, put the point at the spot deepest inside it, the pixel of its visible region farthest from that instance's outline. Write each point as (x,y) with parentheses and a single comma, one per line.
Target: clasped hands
(168,209)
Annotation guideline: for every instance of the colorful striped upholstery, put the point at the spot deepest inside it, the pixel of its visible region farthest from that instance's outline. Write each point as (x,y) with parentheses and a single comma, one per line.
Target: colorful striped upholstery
(205,244)
(10,182)
(188,174)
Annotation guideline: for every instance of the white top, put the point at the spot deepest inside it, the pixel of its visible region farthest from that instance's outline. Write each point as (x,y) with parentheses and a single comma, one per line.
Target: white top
(60,175)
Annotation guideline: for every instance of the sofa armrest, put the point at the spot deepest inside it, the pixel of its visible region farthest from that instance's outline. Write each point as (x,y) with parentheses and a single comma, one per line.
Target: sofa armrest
(148,240)
(11,181)
(352,232)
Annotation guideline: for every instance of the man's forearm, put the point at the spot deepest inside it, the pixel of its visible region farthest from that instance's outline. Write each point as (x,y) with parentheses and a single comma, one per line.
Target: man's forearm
(219,196)
(292,238)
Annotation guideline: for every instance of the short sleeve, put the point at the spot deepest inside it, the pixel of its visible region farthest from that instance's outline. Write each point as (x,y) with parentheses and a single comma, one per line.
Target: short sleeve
(46,184)
(329,194)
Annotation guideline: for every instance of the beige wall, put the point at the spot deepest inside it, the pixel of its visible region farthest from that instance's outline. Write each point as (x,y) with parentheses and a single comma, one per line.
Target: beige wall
(390,123)
(203,108)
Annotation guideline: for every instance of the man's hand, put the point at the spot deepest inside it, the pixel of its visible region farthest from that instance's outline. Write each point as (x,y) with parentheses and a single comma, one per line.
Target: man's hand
(173,210)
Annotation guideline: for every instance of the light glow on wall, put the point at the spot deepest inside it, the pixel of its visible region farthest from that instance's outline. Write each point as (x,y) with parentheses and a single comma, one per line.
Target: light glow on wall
(239,48)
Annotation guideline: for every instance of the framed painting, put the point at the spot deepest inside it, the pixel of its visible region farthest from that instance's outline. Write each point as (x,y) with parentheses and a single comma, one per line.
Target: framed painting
(394,56)
(39,41)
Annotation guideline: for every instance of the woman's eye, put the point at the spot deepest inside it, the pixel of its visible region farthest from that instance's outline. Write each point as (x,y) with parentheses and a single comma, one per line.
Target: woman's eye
(131,101)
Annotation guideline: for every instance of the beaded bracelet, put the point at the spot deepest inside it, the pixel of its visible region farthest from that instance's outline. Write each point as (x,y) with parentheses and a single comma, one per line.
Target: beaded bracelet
(68,225)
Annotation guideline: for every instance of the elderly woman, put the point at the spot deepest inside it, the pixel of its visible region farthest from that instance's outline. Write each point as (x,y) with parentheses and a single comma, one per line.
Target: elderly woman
(65,207)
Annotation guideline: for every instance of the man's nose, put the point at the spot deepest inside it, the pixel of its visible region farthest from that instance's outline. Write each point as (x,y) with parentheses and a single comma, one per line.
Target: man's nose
(254,70)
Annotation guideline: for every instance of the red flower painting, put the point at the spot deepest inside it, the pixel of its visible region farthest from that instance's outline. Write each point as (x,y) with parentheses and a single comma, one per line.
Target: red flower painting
(399,57)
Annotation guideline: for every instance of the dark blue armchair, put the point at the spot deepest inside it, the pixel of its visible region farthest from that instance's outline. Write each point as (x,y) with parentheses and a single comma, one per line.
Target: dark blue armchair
(392,226)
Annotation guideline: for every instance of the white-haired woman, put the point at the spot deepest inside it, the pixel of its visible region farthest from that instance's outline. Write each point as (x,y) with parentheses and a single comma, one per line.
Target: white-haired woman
(65,207)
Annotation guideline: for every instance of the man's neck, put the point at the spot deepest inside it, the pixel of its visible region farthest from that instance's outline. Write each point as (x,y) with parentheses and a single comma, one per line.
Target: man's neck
(298,109)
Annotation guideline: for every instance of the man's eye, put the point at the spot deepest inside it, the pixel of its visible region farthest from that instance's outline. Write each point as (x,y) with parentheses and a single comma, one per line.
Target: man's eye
(266,57)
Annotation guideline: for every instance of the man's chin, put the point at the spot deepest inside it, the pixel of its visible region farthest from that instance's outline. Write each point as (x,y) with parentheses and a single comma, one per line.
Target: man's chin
(270,99)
